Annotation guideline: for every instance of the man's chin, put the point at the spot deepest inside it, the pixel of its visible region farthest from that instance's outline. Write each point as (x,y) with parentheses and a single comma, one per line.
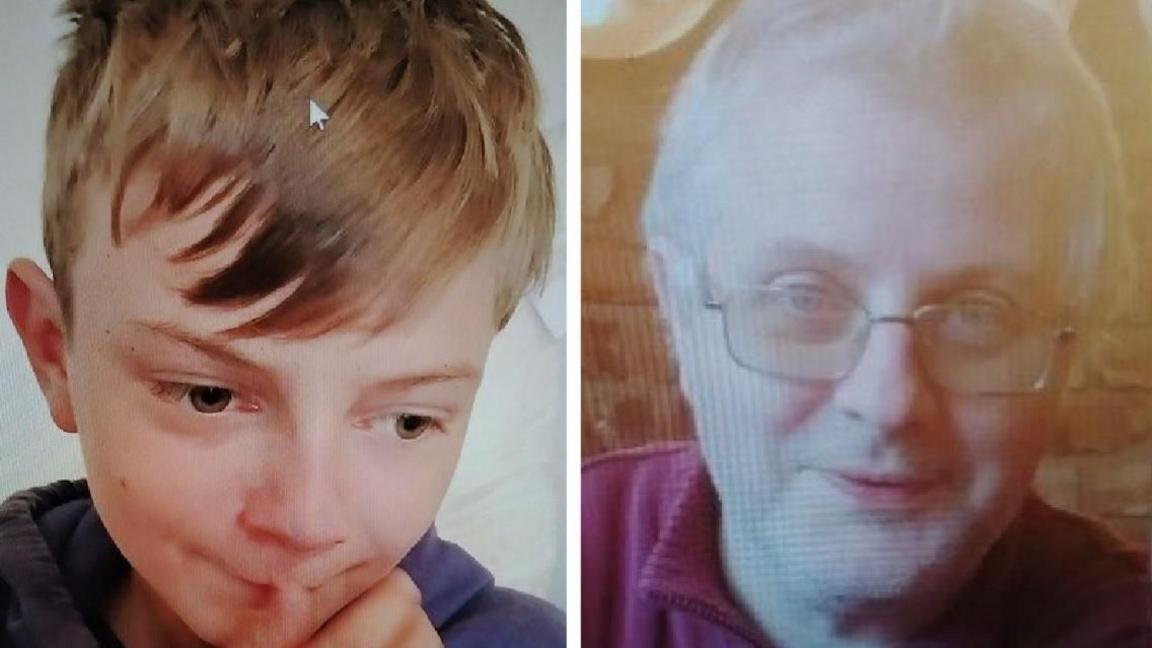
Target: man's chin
(849,581)
(860,560)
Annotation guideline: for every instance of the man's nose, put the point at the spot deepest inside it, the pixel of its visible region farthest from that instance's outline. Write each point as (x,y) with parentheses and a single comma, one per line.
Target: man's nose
(292,508)
(887,388)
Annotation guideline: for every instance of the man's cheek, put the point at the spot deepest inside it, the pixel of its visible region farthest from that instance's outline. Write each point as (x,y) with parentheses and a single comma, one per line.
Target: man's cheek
(997,449)
(1014,432)
(763,423)
(794,405)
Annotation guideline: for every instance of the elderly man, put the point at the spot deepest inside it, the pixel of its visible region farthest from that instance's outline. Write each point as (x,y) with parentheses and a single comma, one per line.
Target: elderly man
(879,230)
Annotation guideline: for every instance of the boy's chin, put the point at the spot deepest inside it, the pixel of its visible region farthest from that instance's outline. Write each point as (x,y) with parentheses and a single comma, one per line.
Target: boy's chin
(215,624)
(214,608)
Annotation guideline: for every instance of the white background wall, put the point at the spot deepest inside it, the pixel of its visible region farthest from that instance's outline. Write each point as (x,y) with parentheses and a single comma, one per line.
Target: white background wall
(506,504)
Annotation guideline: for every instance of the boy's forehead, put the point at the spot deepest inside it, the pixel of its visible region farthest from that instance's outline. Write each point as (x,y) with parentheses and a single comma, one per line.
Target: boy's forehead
(134,288)
(144,237)
(142,214)
(144,277)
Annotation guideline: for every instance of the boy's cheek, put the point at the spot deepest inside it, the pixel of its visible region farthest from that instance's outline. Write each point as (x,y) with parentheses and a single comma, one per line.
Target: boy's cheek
(397,498)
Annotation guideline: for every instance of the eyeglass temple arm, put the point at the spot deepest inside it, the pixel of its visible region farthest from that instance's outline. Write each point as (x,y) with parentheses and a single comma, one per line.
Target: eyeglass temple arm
(1062,339)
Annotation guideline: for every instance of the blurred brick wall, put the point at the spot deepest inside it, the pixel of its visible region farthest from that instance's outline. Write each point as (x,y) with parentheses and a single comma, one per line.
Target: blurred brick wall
(630,395)
(1103,462)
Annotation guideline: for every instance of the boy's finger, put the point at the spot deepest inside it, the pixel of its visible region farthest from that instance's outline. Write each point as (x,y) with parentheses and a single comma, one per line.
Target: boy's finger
(328,599)
(297,612)
(388,614)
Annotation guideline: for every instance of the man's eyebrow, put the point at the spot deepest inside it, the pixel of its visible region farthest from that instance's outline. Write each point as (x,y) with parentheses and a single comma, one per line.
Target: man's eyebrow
(1018,283)
(796,250)
(216,349)
(777,254)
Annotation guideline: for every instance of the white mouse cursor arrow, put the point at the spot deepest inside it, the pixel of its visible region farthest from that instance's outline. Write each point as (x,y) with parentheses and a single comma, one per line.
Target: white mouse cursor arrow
(316,114)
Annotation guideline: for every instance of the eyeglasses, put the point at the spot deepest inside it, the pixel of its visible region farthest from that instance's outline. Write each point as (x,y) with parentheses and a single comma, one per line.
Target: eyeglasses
(975,345)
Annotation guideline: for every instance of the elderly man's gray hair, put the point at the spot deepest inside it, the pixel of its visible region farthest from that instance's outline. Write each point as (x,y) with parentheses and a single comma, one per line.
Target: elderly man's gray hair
(962,59)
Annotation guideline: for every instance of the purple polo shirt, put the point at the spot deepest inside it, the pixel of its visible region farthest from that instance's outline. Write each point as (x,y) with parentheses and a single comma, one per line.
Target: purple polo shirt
(651,572)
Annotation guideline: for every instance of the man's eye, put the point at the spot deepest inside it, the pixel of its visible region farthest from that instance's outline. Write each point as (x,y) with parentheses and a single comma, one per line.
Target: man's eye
(806,301)
(980,323)
(206,399)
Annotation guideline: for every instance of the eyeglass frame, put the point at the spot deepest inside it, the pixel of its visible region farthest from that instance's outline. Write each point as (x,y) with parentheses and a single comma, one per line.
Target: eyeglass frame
(1063,335)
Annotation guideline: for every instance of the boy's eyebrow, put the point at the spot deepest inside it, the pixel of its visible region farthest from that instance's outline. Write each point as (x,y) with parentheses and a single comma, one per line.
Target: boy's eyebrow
(217,350)
(447,373)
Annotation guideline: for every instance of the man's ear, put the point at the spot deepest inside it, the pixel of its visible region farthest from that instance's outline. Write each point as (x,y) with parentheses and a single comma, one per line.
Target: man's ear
(1069,368)
(663,263)
(673,277)
(35,311)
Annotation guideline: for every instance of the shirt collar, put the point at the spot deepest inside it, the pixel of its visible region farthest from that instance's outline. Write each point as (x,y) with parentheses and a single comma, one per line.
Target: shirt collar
(683,569)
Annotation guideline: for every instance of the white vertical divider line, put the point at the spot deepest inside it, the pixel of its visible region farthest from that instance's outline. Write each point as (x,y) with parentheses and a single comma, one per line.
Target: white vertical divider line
(573,192)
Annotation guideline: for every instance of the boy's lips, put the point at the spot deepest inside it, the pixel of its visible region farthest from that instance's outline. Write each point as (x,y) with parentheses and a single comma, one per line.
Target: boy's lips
(271,570)
(247,576)
(249,572)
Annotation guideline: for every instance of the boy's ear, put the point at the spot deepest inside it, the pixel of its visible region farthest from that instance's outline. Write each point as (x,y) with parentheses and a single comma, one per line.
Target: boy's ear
(35,311)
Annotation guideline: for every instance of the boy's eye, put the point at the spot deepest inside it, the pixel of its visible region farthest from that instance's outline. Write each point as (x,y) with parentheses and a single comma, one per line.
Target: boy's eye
(209,400)
(205,399)
(410,426)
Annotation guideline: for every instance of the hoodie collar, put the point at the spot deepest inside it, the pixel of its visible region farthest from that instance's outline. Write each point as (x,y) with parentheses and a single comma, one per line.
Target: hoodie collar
(59,560)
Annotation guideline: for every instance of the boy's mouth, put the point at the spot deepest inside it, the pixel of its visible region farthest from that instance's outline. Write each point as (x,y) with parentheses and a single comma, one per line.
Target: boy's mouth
(263,595)
(236,574)
(307,572)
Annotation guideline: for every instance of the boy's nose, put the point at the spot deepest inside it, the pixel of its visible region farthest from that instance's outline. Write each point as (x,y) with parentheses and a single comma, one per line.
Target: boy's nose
(887,389)
(292,508)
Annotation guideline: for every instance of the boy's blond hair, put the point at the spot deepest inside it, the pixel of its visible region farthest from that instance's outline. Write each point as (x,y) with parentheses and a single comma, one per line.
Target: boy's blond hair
(432,151)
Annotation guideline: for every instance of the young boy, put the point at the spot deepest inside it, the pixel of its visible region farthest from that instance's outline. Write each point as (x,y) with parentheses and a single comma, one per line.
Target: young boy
(282,235)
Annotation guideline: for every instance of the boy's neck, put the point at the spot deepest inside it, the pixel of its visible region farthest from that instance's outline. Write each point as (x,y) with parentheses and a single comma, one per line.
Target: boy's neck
(141,620)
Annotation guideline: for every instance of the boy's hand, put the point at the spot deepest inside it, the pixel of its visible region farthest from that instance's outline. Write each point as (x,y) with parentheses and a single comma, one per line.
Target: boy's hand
(359,608)
(387,615)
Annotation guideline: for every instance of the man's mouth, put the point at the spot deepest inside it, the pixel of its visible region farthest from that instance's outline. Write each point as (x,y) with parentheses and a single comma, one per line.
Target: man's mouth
(886,490)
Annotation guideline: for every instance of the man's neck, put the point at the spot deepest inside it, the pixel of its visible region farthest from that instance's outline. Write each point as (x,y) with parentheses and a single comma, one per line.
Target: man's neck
(141,620)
